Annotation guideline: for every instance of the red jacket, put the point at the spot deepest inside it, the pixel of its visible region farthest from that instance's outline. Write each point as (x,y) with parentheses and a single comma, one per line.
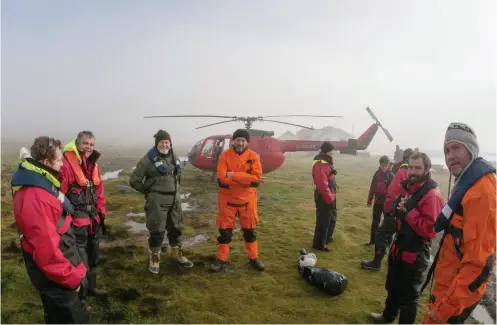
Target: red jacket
(68,178)
(379,186)
(422,218)
(395,189)
(322,174)
(36,213)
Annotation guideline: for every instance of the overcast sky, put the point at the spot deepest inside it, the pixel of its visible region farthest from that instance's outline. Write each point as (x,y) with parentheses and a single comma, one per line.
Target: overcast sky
(103,65)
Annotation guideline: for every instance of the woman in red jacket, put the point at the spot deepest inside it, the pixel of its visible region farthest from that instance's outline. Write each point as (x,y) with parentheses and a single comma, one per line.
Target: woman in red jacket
(41,211)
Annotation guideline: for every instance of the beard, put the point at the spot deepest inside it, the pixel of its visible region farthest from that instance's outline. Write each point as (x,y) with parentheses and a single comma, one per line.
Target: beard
(239,149)
(417,179)
(163,151)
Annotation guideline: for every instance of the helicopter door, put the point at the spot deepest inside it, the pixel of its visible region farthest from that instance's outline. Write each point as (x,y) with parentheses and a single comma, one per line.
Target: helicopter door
(218,149)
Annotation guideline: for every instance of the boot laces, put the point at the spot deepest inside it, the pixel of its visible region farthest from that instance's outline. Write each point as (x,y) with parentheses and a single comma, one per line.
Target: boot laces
(155,257)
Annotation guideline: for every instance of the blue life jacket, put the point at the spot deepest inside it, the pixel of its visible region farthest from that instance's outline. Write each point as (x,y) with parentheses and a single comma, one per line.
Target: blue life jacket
(153,155)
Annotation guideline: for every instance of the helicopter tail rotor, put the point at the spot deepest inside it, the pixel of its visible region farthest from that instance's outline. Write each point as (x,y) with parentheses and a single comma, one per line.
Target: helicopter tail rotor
(389,136)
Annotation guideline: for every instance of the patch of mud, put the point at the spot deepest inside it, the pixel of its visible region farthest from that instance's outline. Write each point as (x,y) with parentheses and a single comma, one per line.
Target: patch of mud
(149,306)
(136,227)
(125,295)
(12,247)
(124,189)
(132,214)
(189,242)
(141,228)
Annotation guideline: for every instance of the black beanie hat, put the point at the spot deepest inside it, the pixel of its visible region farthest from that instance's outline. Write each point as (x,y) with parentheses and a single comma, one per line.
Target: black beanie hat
(162,135)
(241,133)
(326,147)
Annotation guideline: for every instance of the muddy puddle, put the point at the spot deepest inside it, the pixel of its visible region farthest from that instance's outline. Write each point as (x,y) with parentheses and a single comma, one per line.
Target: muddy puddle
(111,175)
(140,228)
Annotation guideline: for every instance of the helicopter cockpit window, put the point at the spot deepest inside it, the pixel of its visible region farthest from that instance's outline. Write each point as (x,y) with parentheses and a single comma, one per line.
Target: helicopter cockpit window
(207,149)
(196,146)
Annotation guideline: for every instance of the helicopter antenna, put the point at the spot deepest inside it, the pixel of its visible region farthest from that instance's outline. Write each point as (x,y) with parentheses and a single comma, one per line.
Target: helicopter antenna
(248,121)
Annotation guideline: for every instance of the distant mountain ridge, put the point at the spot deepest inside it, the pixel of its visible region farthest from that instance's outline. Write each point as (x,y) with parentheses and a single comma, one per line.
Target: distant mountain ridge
(328,133)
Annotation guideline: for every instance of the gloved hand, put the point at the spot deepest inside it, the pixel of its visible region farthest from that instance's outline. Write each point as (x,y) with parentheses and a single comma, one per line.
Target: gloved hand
(83,288)
(102,224)
(334,171)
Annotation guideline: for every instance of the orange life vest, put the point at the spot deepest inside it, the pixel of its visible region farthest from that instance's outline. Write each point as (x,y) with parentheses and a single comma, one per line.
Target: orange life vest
(79,175)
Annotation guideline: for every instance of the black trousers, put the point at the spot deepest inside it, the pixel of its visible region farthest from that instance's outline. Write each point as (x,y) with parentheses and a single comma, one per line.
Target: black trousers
(384,234)
(403,285)
(63,306)
(89,249)
(375,223)
(326,217)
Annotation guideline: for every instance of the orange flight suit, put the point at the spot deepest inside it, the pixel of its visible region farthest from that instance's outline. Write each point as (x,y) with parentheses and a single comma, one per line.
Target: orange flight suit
(461,283)
(238,196)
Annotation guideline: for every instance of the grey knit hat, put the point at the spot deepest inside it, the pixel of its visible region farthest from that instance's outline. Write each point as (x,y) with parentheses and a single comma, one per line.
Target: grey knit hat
(462,133)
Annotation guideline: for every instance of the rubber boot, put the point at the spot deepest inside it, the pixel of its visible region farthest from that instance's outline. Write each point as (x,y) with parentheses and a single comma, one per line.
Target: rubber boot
(374,264)
(218,265)
(154,261)
(377,318)
(178,257)
(92,284)
(257,264)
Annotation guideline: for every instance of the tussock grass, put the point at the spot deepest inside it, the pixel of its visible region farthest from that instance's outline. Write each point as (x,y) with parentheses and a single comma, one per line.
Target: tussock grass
(240,295)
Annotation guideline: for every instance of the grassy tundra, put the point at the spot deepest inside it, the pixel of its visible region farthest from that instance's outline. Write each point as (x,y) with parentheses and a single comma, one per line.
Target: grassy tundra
(241,295)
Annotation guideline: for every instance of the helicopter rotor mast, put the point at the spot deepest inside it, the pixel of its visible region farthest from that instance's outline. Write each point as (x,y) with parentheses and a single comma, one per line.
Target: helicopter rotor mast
(248,121)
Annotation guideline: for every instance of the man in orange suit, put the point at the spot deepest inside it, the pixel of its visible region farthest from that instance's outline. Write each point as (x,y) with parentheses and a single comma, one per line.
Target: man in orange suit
(239,172)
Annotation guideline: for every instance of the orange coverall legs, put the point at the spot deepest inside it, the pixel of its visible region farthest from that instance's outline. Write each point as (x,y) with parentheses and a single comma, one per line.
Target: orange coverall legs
(228,209)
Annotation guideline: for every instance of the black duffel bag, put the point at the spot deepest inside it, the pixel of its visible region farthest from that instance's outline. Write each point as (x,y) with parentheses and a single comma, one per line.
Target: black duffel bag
(331,282)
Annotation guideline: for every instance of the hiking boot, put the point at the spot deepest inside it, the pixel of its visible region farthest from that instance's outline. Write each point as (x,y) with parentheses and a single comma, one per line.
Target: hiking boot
(377,318)
(178,257)
(154,261)
(92,284)
(257,264)
(374,264)
(218,265)
(326,248)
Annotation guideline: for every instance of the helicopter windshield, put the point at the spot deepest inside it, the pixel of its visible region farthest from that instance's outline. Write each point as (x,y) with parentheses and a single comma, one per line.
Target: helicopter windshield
(196,146)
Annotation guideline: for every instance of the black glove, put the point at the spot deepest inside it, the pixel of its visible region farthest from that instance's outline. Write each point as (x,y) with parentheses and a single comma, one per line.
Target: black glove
(102,224)
(334,171)
(83,288)
(401,215)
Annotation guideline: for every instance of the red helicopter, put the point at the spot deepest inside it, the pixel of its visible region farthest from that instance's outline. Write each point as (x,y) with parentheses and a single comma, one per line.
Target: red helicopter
(204,153)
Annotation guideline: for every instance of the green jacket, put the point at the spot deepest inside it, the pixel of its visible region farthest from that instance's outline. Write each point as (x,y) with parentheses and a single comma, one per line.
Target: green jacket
(155,173)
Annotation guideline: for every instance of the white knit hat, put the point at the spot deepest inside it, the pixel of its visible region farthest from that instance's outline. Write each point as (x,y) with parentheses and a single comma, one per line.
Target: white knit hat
(463,134)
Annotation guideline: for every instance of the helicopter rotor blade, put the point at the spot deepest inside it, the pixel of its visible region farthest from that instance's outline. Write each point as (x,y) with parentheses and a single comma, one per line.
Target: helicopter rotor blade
(302,126)
(338,116)
(218,116)
(389,136)
(204,126)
